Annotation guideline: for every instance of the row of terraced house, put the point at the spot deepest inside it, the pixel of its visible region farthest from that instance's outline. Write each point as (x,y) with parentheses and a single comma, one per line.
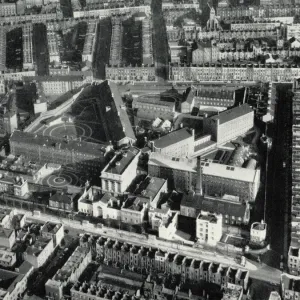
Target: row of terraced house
(147,259)
(258,11)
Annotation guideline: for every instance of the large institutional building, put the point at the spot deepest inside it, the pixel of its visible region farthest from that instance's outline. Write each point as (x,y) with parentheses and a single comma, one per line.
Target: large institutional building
(82,152)
(216,178)
(179,143)
(81,155)
(229,124)
(120,171)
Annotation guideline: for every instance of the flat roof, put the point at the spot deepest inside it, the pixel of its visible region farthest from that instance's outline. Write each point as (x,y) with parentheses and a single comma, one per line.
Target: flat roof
(212,169)
(290,282)
(5,232)
(38,246)
(230,172)
(232,113)
(210,217)
(157,159)
(172,138)
(51,227)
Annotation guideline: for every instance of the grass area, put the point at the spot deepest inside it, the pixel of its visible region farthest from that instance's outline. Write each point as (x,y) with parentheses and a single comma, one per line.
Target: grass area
(102,49)
(25,97)
(160,41)
(260,290)
(14,49)
(40,49)
(132,48)
(66,7)
(193,15)
(73,42)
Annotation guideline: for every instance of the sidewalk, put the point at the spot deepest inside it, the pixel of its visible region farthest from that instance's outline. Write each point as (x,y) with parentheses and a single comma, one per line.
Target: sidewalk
(143,240)
(257,271)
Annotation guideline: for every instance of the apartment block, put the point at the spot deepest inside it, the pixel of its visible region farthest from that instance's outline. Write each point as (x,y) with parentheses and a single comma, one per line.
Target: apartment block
(234,71)
(147,41)
(290,287)
(38,253)
(116,42)
(27,46)
(294,260)
(8,9)
(7,237)
(53,46)
(7,258)
(233,212)
(54,231)
(123,253)
(258,232)
(238,26)
(229,124)
(151,107)
(14,283)
(209,228)
(120,171)
(70,272)
(295,201)
(130,73)
(205,53)
(90,41)
(179,143)
(212,96)
(3,53)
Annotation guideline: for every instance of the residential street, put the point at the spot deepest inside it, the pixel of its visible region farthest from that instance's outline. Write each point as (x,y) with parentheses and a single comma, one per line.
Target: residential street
(256,270)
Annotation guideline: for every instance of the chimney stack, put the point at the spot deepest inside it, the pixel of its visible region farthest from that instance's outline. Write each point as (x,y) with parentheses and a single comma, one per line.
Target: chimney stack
(198,189)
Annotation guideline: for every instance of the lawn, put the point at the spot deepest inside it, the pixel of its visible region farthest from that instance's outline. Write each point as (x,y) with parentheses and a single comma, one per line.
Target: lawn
(102,49)
(132,48)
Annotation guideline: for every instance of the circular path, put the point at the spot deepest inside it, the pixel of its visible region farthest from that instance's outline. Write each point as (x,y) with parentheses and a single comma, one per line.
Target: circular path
(72,131)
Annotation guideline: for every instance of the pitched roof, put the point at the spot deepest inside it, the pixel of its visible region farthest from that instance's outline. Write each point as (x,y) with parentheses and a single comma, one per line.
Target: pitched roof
(61,197)
(121,161)
(172,138)
(150,186)
(58,143)
(214,205)
(232,113)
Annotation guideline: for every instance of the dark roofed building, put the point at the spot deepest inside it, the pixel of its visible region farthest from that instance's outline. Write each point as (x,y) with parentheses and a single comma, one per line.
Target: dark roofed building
(232,212)
(44,149)
(62,201)
(212,96)
(150,107)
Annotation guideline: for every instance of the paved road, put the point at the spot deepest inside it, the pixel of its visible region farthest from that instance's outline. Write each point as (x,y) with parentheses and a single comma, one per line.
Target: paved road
(278,208)
(256,270)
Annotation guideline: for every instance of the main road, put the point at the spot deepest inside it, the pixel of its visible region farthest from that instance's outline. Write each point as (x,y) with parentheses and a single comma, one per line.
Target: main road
(256,270)
(279,198)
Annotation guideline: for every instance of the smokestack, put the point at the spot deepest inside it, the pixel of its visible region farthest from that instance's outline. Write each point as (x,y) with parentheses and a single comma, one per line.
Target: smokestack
(198,189)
